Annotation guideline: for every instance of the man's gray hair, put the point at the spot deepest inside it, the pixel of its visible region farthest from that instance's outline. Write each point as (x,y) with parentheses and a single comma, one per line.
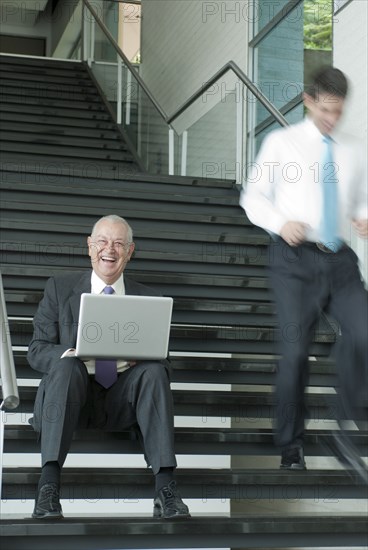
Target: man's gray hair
(115,219)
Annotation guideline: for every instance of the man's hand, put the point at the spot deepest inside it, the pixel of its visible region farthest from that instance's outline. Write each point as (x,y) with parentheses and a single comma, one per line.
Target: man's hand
(294,233)
(361,227)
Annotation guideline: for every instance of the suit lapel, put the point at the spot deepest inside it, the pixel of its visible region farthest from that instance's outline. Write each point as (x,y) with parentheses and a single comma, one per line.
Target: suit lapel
(131,287)
(83,285)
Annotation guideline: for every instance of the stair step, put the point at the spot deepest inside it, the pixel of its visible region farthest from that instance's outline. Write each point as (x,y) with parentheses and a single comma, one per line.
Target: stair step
(60,191)
(211,339)
(11,93)
(85,124)
(57,111)
(238,404)
(115,483)
(87,167)
(61,131)
(15,82)
(68,105)
(224,441)
(46,151)
(236,531)
(218,370)
(194,236)
(11,140)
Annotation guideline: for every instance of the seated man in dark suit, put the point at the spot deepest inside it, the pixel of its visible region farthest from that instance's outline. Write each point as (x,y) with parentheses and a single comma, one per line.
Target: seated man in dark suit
(69,395)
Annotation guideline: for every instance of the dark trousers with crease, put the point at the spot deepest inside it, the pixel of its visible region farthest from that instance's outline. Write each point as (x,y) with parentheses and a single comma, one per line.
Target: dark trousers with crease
(306,281)
(69,397)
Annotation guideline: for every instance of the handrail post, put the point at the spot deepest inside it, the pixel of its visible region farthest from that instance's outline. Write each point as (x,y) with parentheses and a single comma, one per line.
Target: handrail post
(85,33)
(119,93)
(239,133)
(171,152)
(128,105)
(184,153)
(2,426)
(8,377)
(92,37)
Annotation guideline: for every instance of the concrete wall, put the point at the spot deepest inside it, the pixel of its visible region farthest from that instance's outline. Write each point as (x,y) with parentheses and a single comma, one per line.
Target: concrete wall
(350,55)
(183,45)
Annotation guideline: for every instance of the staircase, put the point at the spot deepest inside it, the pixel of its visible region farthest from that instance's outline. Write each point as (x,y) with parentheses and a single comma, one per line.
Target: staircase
(194,244)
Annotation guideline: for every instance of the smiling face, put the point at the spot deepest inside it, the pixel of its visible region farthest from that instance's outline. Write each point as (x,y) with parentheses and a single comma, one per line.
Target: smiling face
(109,250)
(325,110)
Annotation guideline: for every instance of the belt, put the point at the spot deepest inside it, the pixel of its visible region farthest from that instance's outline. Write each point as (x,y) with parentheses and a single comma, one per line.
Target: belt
(313,244)
(324,248)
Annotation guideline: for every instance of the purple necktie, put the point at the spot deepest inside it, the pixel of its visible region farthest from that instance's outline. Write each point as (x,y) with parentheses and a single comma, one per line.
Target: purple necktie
(105,369)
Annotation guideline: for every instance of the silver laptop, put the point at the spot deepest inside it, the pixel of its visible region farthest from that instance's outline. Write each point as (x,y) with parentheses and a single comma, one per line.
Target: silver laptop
(123,327)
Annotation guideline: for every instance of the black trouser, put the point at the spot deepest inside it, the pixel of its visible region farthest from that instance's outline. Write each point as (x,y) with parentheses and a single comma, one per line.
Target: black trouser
(141,396)
(305,281)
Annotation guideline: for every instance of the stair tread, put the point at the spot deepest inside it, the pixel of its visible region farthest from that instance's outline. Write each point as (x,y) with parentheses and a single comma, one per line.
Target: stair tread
(234,402)
(247,435)
(140,476)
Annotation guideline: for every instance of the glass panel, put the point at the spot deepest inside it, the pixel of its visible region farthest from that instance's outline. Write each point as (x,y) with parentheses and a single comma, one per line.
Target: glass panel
(280,62)
(293,116)
(292,51)
(211,139)
(265,11)
(132,108)
(108,12)
(145,127)
(317,36)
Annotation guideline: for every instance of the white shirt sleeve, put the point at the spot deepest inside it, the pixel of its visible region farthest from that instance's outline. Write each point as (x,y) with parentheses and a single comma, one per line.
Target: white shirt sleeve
(257,196)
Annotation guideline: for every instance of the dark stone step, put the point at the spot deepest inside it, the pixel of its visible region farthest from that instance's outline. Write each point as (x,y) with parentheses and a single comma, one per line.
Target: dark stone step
(121,484)
(82,143)
(75,167)
(46,151)
(15,82)
(85,124)
(236,228)
(12,92)
(218,370)
(38,111)
(211,339)
(42,182)
(240,405)
(68,105)
(216,441)
(256,530)
(60,131)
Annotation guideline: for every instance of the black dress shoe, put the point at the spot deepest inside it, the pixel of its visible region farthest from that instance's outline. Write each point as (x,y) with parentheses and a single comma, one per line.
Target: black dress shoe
(293,459)
(47,502)
(168,503)
(347,454)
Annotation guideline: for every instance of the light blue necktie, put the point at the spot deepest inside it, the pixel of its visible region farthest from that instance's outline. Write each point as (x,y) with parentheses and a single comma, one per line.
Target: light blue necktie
(105,369)
(329,222)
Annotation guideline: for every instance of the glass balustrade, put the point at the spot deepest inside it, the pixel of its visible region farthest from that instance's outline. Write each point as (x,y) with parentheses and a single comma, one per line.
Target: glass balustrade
(215,136)
(132,107)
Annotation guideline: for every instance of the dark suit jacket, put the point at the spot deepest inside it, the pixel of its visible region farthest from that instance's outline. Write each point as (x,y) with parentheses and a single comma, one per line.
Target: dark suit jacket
(56,320)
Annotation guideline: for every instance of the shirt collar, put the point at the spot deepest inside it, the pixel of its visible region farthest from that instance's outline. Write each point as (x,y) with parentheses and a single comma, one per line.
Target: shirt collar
(313,131)
(97,284)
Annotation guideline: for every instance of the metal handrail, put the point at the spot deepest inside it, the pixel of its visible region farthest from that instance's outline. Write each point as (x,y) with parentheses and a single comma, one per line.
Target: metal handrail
(7,369)
(231,65)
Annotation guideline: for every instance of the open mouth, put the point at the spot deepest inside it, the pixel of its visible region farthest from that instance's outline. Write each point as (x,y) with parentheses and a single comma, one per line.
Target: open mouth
(108,259)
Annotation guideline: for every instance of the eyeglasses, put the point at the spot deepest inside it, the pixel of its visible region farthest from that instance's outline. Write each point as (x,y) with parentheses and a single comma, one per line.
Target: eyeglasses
(118,245)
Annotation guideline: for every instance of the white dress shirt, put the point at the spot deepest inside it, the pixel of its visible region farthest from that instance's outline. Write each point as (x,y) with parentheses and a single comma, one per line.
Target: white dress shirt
(97,286)
(284,183)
